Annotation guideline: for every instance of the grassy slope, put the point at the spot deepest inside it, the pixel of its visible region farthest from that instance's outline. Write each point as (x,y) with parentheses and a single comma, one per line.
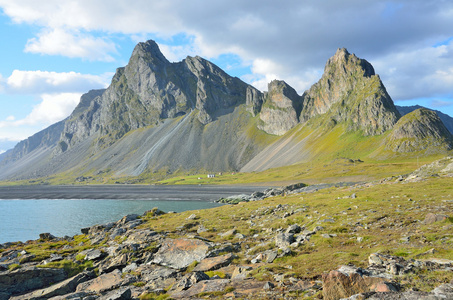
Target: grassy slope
(380,214)
(328,153)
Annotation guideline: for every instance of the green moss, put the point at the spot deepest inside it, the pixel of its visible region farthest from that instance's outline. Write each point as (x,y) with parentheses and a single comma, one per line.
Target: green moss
(13,267)
(70,267)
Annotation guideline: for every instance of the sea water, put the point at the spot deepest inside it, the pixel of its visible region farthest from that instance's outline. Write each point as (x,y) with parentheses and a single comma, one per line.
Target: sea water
(22,220)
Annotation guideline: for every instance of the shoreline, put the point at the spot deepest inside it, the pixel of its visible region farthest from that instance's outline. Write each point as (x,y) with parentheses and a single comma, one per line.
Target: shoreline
(125,192)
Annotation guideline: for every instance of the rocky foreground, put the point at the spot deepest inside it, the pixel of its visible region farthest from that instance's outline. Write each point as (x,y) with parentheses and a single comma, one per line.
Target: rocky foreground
(381,240)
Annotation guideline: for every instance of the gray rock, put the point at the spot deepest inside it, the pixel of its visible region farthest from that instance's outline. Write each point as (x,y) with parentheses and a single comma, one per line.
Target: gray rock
(123,293)
(62,288)
(445,290)
(27,279)
(279,112)
(156,273)
(228,233)
(133,224)
(188,280)
(283,240)
(104,283)
(129,268)
(53,257)
(93,254)
(46,236)
(293,229)
(76,296)
(117,232)
(240,272)
(127,219)
(268,286)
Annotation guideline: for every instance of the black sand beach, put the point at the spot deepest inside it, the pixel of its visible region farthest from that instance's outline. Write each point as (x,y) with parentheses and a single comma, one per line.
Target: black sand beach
(133,192)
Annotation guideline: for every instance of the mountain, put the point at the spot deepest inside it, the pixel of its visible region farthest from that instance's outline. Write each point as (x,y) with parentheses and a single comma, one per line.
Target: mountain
(446,119)
(421,129)
(158,117)
(349,91)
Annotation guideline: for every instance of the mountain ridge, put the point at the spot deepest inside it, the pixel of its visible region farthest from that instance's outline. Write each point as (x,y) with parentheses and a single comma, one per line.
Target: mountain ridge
(158,116)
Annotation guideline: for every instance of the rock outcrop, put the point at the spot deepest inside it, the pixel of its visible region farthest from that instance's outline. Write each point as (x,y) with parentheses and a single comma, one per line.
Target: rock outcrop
(281,108)
(419,130)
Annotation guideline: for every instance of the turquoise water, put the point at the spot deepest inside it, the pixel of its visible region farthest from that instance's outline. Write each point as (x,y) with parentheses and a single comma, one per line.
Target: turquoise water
(23,220)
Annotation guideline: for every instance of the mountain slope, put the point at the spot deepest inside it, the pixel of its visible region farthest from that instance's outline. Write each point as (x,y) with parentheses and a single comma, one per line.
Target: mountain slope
(421,129)
(158,117)
(446,119)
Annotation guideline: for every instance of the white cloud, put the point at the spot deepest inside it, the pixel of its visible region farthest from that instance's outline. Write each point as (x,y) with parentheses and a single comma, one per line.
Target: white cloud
(51,109)
(2,83)
(289,41)
(417,73)
(177,53)
(35,82)
(71,44)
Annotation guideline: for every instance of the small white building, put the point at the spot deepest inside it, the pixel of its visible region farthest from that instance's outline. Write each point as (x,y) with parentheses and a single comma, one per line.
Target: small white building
(211,175)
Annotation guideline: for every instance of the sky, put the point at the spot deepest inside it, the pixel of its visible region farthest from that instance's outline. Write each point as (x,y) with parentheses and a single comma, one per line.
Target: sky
(53,51)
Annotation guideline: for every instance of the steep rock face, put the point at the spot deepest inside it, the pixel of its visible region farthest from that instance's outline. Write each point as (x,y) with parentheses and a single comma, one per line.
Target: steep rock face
(446,119)
(150,89)
(419,130)
(254,100)
(78,126)
(280,110)
(46,138)
(349,91)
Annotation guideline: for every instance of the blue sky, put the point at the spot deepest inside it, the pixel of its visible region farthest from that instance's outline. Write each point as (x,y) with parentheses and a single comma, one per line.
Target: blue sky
(54,51)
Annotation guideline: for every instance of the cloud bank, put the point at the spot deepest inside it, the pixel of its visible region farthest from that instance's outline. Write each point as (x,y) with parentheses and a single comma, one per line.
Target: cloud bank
(290,40)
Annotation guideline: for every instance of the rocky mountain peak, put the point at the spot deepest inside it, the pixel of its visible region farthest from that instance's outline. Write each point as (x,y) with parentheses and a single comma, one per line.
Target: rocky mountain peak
(345,63)
(349,91)
(149,51)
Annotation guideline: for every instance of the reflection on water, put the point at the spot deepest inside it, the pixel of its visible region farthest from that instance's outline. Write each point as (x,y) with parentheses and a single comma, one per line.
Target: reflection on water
(23,220)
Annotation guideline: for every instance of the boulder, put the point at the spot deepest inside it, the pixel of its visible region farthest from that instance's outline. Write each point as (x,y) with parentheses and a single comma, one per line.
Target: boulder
(189,280)
(123,293)
(93,254)
(65,287)
(205,286)
(103,283)
(27,279)
(180,253)
(214,263)
(46,236)
(433,218)
(241,272)
(157,277)
(348,281)
(126,219)
(283,240)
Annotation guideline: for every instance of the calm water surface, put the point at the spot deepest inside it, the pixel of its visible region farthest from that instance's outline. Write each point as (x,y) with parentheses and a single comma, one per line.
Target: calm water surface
(23,220)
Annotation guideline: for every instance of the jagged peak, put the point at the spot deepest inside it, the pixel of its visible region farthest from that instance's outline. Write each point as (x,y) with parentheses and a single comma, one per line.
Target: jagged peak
(347,63)
(149,50)
(278,84)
